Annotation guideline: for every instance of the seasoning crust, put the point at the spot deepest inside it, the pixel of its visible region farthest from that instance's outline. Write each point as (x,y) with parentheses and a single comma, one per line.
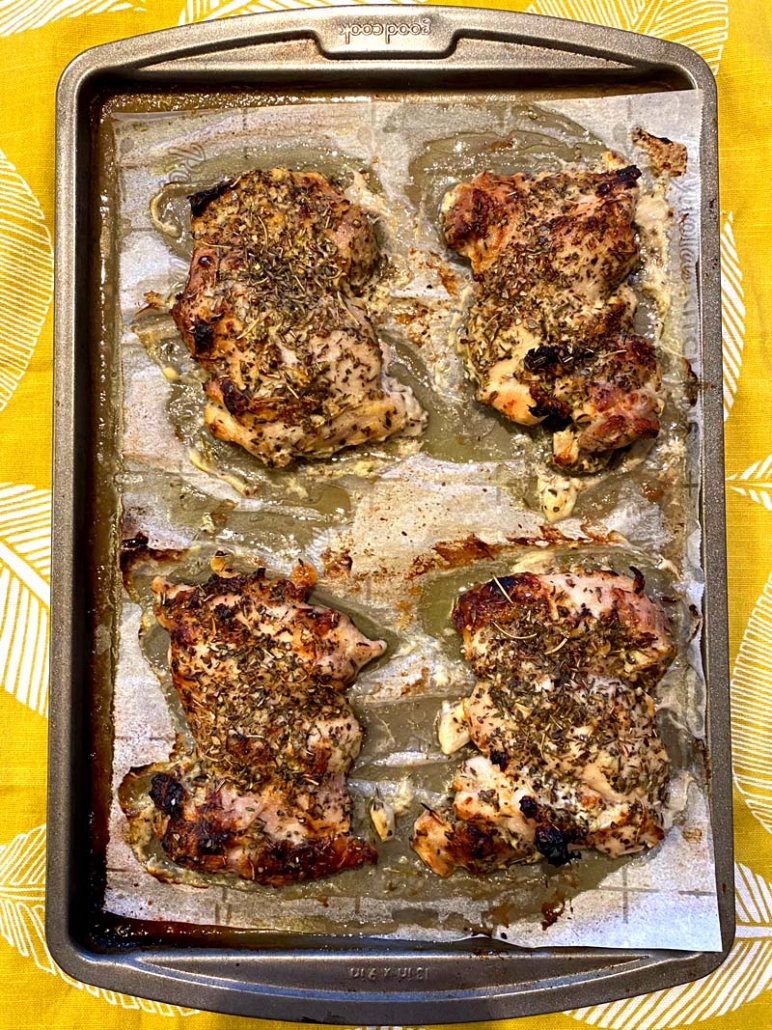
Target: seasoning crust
(261,677)
(563,718)
(274,310)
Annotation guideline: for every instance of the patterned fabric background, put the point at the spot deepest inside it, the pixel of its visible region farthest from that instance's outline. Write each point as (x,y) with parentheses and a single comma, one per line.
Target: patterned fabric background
(37,39)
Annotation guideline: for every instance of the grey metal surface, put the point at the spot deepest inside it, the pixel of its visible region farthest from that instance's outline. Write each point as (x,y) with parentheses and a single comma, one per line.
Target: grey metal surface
(331,980)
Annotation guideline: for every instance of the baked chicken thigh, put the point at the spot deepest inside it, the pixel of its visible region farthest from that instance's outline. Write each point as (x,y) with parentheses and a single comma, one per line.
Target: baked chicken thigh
(273,311)
(261,677)
(550,330)
(563,719)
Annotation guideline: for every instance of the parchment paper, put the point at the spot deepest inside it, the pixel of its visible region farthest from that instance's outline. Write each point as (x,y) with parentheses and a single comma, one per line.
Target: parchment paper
(370,520)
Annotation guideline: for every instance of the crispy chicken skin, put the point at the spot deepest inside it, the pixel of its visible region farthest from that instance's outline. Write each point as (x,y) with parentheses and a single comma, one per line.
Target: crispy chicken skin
(666,158)
(261,677)
(273,312)
(550,330)
(564,722)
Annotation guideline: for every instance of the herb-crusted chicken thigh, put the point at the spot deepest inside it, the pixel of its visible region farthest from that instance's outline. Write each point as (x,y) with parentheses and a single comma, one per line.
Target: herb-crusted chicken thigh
(550,330)
(563,719)
(273,310)
(261,676)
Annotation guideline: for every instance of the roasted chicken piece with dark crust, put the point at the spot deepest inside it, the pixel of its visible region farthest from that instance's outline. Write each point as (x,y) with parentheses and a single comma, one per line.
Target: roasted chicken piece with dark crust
(564,719)
(261,677)
(273,311)
(205,824)
(532,624)
(550,330)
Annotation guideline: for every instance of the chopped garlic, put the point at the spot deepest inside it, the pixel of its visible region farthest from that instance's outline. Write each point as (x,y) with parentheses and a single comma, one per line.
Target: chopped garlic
(382,816)
(557,496)
(196,458)
(403,799)
(452,728)
(166,228)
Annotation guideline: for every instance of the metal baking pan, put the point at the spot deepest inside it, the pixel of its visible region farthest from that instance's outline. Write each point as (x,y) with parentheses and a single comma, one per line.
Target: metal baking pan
(297,977)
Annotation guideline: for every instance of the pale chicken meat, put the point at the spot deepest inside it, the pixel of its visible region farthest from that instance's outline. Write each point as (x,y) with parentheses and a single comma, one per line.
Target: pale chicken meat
(274,311)
(550,330)
(261,676)
(564,721)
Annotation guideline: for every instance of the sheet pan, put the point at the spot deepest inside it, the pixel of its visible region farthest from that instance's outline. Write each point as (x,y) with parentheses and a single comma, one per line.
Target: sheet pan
(459,48)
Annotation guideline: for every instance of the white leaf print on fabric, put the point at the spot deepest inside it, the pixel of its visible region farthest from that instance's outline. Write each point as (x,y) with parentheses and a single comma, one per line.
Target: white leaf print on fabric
(746,972)
(22,898)
(26,275)
(20,15)
(755,482)
(702,25)
(751,705)
(25,562)
(22,888)
(732,313)
(206,10)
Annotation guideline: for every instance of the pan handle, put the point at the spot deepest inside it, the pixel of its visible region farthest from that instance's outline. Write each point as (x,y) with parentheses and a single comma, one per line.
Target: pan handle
(343,42)
(400,32)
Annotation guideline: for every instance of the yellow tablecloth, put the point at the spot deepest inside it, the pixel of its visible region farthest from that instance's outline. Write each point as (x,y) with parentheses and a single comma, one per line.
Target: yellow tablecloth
(37,39)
